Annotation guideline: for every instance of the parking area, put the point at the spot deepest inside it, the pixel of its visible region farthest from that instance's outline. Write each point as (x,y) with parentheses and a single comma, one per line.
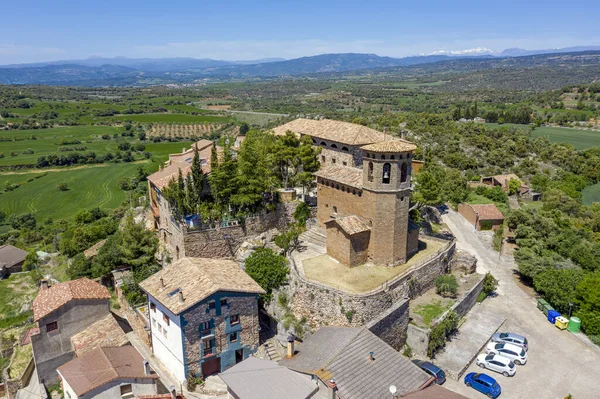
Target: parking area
(473,335)
(558,362)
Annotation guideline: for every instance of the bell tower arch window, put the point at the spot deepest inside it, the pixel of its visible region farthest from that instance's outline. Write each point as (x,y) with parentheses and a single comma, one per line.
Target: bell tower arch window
(387,171)
(370,171)
(404,172)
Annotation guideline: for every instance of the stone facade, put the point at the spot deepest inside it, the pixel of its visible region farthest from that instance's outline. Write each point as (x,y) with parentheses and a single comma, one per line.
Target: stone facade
(349,250)
(53,349)
(203,345)
(334,153)
(323,305)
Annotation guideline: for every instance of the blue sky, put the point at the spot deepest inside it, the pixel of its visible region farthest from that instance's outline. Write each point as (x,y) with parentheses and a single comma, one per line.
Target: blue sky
(33,31)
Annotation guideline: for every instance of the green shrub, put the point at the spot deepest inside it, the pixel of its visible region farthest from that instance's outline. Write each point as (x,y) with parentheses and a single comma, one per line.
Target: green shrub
(446,285)
(268,269)
(440,333)
(482,295)
(490,283)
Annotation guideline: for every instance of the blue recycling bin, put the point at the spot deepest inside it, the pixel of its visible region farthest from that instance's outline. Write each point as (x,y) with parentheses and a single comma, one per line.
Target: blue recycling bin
(552,315)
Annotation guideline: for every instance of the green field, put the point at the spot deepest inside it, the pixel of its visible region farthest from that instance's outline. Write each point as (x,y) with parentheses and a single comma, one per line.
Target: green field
(580,139)
(591,194)
(47,141)
(89,186)
(170,118)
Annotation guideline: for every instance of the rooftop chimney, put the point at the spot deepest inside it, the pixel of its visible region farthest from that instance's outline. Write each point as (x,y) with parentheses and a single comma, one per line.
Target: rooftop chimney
(181,298)
(43,284)
(333,388)
(146,367)
(173,392)
(162,282)
(372,356)
(290,346)
(183,150)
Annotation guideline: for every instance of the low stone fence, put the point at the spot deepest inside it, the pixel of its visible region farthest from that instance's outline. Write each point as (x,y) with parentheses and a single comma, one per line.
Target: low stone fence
(12,385)
(135,321)
(323,305)
(418,338)
(222,242)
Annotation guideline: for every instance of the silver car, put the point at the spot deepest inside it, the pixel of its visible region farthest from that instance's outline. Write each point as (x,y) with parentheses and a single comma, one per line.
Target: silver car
(511,338)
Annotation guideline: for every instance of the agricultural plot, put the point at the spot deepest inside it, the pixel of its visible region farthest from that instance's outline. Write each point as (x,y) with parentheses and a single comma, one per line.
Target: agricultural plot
(27,145)
(580,139)
(591,194)
(169,118)
(88,186)
(183,130)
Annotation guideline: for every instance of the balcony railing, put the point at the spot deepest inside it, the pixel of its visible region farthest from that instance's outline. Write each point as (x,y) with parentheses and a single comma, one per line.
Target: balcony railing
(207,352)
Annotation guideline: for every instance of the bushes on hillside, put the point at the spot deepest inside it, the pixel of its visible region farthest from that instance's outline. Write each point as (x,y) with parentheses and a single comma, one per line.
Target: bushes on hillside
(268,269)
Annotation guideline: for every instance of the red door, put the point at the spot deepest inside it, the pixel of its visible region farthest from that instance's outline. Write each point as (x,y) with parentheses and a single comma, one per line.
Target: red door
(210,367)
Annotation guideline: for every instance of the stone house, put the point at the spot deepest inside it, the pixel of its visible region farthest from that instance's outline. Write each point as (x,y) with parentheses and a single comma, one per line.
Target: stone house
(525,192)
(482,216)
(363,192)
(352,362)
(11,260)
(110,372)
(203,315)
(61,312)
(164,221)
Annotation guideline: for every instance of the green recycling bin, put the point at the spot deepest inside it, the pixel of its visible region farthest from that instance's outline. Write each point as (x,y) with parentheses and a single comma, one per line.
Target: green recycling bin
(547,307)
(541,303)
(574,324)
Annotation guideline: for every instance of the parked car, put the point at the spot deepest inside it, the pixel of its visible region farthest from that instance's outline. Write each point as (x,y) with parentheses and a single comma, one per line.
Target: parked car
(511,338)
(432,370)
(497,363)
(484,384)
(513,352)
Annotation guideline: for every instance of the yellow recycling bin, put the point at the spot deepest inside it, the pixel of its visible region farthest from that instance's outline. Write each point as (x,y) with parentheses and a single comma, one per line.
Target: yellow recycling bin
(561,322)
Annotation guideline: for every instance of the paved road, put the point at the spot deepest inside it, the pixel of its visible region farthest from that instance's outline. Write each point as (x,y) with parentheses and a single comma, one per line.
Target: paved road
(558,364)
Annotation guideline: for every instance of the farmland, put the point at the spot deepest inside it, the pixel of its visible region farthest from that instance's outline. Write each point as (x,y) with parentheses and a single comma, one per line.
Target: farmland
(580,139)
(591,194)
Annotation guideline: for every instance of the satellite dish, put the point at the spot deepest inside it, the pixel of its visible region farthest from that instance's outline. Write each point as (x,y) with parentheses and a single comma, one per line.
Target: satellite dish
(393,389)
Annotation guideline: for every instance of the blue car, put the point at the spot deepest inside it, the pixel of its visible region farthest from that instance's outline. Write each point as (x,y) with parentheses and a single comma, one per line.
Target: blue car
(432,370)
(484,384)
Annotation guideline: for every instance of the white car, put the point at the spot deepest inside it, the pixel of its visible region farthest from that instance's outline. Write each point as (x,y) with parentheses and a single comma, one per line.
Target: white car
(497,363)
(513,352)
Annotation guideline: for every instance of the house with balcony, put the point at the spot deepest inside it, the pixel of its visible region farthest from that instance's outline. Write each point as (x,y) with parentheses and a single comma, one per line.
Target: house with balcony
(203,315)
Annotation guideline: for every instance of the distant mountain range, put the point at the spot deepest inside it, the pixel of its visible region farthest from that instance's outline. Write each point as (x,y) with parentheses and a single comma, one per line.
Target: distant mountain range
(121,71)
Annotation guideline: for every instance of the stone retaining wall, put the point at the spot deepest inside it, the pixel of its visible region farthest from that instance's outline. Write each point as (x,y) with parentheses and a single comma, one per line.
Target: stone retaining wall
(418,338)
(223,242)
(323,305)
(391,325)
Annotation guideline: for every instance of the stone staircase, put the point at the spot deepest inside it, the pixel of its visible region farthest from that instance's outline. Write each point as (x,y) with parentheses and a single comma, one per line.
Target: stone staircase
(315,235)
(271,351)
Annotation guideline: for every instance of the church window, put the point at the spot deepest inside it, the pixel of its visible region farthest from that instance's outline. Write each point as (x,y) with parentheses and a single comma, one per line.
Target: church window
(333,146)
(404,172)
(370,171)
(387,171)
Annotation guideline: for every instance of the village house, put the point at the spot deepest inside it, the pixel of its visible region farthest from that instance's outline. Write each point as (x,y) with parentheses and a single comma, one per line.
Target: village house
(482,216)
(62,312)
(203,315)
(363,192)
(256,378)
(354,363)
(11,260)
(108,372)
(164,221)
(502,181)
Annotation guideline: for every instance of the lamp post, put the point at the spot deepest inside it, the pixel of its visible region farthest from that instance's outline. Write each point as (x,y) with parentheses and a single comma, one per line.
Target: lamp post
(570,308)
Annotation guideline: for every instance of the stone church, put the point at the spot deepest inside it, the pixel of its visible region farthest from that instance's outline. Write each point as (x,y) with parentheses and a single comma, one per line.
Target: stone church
(363,191)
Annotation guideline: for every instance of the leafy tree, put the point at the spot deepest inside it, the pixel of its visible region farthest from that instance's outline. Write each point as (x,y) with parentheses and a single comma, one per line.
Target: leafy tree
(31,261)
(558,286)
(80,267)
(2,216)
(588,302)
(490,283)
(302,213)
(285,153)
(222,178)
(446,285)
(268,269)
(137,245)
(109,258)
(428,188)
(244,128)
(289,240)
(309,163)
(22,221)
(455,187)
(514,186)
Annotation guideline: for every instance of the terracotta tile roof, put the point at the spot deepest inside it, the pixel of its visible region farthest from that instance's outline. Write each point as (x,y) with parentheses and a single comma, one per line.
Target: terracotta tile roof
(183,161)
(396,145)
(93,250)
(487,212)
(351,224)
(197,278)
(104,332)
(347,175)
(504,179)
(10,256)
(327,129)
(49,300)
(101,366)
